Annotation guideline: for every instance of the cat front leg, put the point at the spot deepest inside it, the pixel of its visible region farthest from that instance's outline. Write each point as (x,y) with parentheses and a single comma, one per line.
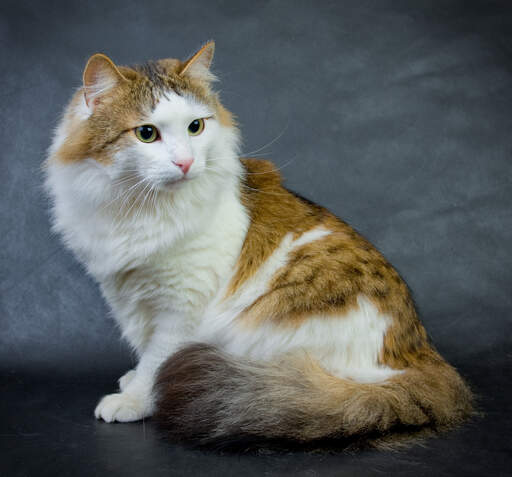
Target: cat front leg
(125,379)
(136,400)
(134,320)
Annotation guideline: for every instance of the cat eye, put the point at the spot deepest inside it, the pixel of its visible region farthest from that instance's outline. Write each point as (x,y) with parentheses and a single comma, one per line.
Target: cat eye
(196,127)
(147,133)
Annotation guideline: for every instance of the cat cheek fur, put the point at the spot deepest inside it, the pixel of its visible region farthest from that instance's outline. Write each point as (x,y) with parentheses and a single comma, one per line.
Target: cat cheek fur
(306,330)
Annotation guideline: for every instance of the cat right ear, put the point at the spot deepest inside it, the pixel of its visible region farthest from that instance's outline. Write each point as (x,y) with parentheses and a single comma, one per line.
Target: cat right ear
(100,76)
(198,65)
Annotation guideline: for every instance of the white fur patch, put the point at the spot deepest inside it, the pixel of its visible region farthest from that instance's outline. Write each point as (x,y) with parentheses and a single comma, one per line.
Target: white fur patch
(347,346)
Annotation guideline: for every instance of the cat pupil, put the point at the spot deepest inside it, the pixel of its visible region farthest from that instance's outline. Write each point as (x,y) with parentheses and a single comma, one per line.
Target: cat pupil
(194,126)
(146,132)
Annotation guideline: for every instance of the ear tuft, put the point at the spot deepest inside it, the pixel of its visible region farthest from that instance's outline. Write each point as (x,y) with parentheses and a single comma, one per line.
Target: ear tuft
(198,65)
(100,76)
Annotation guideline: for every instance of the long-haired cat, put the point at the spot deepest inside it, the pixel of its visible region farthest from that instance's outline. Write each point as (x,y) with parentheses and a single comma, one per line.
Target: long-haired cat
(254,313)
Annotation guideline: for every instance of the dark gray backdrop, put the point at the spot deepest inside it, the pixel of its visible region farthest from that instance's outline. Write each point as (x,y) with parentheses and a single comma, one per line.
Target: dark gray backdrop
(396,115)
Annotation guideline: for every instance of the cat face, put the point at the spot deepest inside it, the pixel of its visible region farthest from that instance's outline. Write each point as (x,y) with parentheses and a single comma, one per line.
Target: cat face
(157,126)
(175,142)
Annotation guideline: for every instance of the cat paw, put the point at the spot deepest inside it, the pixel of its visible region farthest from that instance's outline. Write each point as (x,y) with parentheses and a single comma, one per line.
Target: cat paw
(122,407)
(125,379)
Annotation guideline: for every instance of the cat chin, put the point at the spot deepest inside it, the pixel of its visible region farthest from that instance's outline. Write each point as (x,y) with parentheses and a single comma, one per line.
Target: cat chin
(174,184)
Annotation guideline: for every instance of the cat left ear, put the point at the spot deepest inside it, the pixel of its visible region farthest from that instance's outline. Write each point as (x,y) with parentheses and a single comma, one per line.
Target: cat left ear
(198,65)
(100,76)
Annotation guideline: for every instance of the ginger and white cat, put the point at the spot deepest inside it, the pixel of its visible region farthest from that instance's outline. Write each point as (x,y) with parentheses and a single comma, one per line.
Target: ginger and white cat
(253,312)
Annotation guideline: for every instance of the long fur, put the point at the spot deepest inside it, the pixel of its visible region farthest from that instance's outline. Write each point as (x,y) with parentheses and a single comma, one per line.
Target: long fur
(309,333)
(207,397)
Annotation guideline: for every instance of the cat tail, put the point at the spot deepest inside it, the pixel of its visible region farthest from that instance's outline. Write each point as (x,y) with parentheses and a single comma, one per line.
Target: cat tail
(207,397)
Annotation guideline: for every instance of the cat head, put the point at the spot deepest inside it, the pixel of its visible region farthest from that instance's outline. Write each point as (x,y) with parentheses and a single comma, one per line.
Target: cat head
(159,125)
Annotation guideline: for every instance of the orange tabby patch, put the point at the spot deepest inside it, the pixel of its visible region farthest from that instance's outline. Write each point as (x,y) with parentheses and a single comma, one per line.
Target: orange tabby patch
(323,277)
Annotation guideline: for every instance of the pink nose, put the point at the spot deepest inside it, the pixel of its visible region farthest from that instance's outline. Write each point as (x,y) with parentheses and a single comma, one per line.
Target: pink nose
(184,164)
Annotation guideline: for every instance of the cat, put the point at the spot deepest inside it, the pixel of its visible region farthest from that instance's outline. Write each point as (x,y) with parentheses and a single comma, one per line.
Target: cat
(254,313)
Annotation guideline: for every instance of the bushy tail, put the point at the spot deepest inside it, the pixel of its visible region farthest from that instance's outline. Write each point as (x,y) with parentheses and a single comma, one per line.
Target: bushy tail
(210,398)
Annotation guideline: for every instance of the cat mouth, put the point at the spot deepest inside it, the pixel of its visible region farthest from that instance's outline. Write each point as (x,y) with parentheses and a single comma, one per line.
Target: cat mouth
(169,184)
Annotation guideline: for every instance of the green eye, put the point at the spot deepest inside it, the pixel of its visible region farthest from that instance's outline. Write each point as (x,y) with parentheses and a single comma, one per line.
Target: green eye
(147,133)
(196,127)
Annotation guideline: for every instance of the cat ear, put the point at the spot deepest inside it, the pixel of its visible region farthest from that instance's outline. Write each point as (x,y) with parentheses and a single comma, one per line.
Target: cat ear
(198,65)
(100,76)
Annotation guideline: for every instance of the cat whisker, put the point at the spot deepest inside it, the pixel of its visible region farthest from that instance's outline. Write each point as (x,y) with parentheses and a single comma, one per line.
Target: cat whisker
(123,194)
(216,170)
(263,191)
(269,143)
(277,169)
(154,199)
(124,181)
(137,200)
(146,195)
(262,154)
(127,197)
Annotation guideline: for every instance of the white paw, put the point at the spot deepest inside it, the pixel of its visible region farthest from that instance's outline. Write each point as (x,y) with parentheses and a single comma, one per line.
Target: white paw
(125,379)
(122,407)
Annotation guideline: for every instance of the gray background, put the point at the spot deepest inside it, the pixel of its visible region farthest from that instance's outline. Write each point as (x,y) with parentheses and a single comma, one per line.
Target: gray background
(396,115)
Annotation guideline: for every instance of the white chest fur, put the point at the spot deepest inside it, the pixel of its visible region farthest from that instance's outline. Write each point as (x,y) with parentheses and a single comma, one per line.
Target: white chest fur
(151,263)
